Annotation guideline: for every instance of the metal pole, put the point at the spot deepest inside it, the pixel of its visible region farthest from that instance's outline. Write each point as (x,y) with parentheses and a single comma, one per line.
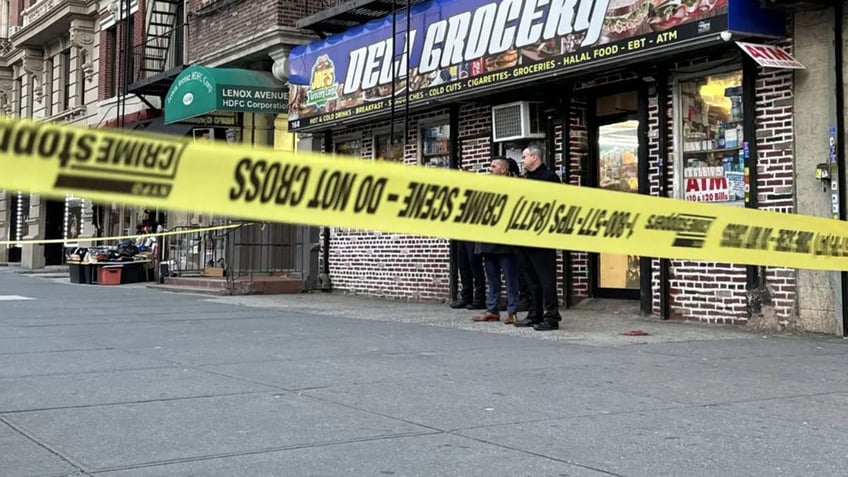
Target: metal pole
(394,83)
(408,51)
(838,12)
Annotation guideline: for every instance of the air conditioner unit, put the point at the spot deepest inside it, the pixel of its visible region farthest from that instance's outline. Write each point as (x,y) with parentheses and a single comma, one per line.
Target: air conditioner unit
(519,120)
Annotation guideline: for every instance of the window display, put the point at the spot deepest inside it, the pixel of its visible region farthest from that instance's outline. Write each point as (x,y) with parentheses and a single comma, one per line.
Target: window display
(387,150)
(435,146)
(711,138)
(352,148)
(73,218)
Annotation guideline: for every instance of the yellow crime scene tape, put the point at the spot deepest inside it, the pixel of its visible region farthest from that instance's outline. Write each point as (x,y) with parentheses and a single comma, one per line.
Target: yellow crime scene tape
(124,237)
(313,189)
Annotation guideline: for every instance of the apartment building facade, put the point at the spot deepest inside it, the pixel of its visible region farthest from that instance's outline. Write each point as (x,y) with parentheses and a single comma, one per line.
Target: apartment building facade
(65,61)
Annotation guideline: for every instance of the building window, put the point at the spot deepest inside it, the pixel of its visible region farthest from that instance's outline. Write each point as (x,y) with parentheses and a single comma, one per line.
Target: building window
(66,79)
(435,145)
(129,49)
(80,77)
(31,85)
(19,95)
(387,148)
(112,59)
(48,87)
(711,141)
(117,75)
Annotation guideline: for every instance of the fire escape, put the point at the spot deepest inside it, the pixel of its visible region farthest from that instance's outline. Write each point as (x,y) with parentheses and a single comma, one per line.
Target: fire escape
(159,58)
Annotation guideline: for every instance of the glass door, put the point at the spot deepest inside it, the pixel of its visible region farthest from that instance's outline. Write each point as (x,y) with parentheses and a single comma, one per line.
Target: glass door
(618,170)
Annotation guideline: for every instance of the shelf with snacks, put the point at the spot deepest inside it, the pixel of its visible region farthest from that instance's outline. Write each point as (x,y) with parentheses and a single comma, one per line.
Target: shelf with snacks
(435,146)
(711,138)
(715,151)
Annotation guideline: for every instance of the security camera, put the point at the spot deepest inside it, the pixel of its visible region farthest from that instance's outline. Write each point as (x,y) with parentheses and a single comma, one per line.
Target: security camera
(725,35)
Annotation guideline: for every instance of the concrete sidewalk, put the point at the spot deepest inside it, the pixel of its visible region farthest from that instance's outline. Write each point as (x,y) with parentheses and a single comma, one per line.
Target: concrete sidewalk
(593,322)
(125,381)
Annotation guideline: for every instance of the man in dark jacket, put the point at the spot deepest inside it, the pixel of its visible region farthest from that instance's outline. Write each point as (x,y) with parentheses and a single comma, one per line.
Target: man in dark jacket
(472,277)
(499,258)
(538,265)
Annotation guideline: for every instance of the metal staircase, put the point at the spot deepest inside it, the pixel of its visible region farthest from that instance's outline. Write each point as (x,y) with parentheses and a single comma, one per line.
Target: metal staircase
(162,22)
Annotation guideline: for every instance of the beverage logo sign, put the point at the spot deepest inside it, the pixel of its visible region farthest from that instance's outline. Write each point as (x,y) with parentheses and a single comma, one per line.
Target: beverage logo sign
(322,85)
(457,46)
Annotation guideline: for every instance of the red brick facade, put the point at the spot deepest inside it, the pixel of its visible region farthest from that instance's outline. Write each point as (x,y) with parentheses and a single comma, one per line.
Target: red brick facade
(215,24)
(112,59)
(400,266)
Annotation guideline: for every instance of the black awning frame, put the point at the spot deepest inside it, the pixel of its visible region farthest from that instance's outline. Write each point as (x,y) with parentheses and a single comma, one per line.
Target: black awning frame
(351,13)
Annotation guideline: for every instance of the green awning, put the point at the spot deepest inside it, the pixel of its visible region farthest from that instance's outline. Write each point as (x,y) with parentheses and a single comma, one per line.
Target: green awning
(200,90)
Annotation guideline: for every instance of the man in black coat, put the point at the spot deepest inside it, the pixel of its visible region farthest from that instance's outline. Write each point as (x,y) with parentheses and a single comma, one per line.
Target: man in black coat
(538,265)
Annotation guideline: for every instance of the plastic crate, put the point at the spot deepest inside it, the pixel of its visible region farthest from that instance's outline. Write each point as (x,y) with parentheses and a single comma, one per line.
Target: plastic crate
(109,276)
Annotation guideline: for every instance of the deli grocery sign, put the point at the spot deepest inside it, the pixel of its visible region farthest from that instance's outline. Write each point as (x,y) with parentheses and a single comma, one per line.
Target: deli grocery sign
(460,46)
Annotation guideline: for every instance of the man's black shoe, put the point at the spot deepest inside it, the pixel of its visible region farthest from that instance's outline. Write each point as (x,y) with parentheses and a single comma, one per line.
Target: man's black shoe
(459,304)
(546,326)
(526,323)
(477,306)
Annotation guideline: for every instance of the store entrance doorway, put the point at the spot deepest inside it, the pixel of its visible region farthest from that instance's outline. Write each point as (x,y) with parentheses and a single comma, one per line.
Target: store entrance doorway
(615,155)
(54,225)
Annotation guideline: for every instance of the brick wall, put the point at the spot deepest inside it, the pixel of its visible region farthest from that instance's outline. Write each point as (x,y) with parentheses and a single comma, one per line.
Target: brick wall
(210,28)
(112,60)
(578,159)
(776,171)
(716,292)
(409,267)
(397,266)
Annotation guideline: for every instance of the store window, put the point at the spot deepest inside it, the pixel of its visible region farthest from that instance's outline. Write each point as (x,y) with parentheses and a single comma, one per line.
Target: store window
(387,147)
(435,145)
(711,139)
(73,218)
(349,147)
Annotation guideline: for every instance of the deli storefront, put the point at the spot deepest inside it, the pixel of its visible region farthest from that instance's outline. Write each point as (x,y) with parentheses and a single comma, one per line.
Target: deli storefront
(660,97)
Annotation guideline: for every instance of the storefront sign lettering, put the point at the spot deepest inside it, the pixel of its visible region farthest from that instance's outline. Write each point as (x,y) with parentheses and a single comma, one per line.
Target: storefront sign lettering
(707,189)
(252,99)
(770,56)
(453,46)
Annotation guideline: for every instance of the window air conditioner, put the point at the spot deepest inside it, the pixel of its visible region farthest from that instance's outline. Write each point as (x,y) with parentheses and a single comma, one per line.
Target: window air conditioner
(520,120)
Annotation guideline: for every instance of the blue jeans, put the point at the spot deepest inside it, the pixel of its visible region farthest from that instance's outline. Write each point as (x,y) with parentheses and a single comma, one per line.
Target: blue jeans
(495,263)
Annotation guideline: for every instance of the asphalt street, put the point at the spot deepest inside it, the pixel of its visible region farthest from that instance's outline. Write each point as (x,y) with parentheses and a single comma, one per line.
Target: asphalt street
(130,381)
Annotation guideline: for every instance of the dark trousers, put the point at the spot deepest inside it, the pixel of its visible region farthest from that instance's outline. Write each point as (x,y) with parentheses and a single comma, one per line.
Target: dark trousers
(471,273)
(523,295)
(538,266)
(508,263)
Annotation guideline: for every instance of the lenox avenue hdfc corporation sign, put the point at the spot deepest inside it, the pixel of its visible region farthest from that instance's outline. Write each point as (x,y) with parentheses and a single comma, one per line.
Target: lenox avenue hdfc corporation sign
(461,46)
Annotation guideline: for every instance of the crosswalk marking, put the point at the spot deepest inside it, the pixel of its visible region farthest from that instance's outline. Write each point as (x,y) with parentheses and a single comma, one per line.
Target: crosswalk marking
(14,298)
